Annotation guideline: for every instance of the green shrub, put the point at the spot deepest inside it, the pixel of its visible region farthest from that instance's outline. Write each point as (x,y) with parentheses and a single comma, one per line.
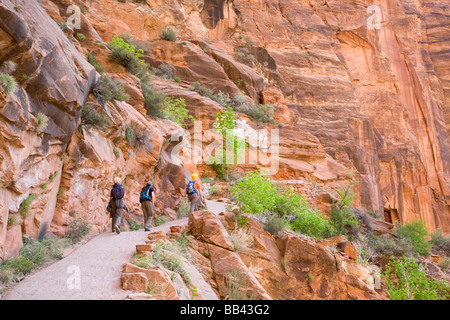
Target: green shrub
(90,116)
(214,190)
(177,79)
(407,280)
(440,242)
(127,55)
(130,136)
(78,228)
(8,84)
(342,217)
(183,209)
(226,158)
(135,225)
(14,268)
(256,194)
(53,176)
(42,122)
(154,100)
(388,245)
(107,89)
(41,252)
(80,37)
(163,71)
(243,56)
(94,62)
(175,110)
(168,34)
(117,153)
(416,232)
(25,205)
(274,224)
(62,25)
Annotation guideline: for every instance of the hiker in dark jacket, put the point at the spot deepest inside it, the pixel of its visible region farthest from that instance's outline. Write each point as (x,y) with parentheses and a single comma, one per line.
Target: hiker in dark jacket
(117,205)
(147,200)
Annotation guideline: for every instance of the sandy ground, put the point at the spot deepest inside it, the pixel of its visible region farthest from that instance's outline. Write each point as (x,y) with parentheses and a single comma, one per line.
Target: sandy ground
(91,271)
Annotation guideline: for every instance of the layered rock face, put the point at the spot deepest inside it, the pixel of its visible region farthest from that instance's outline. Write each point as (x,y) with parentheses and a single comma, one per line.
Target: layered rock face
(359,87)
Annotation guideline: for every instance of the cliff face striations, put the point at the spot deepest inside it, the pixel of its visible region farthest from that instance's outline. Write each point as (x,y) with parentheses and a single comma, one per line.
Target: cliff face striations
(359,86)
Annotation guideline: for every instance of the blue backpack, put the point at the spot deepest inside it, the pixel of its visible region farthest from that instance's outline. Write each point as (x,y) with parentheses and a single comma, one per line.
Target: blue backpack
(190,189)
(146,194)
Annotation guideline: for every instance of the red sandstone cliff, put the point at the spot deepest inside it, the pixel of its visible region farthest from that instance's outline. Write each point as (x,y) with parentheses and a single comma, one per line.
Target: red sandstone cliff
(372,100)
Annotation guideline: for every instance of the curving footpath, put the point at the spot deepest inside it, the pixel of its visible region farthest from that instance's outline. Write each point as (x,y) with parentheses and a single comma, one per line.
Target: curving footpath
(92,271)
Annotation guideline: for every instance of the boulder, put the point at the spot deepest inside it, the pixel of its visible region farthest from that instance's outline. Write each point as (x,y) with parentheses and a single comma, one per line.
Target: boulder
(206,226)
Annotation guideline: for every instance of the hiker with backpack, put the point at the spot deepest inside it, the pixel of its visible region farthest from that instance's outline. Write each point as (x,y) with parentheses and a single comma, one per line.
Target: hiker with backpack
(147,200)
(117,205)
(194,192)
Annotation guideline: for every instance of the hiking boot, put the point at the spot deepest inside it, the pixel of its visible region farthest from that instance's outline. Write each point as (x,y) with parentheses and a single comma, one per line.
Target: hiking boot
(117,229)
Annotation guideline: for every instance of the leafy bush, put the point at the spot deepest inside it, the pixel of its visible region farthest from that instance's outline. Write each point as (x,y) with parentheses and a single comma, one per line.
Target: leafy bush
(256,194)
(117,152)
(78,228)
(154,100)
(175,110)
(406,280)
(274,224)
(214,190)
(226,158)
(168,34)
(342,217)
(440,242)
(25,205)
(32,254)
(14,268)
(107,89)
(416,232)
(8,84)
(90,116)
(80,37)
(388,245)
(41,252)
(127,55)
(164,71)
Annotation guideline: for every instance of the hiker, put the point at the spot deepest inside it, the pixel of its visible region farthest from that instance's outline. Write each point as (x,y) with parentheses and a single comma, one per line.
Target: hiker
(147,200)
(117,205)
(194,192)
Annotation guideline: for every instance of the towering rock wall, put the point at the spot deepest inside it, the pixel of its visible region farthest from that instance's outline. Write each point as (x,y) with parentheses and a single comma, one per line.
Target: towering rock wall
(358,85)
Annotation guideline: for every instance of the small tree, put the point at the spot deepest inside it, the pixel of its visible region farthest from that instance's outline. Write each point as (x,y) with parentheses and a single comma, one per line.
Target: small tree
(175,110)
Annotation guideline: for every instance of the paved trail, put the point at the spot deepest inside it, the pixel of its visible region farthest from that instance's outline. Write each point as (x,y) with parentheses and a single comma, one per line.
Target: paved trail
(98,263)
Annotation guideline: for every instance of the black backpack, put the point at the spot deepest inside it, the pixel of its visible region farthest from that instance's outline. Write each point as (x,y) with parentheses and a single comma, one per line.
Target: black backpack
(117,192)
